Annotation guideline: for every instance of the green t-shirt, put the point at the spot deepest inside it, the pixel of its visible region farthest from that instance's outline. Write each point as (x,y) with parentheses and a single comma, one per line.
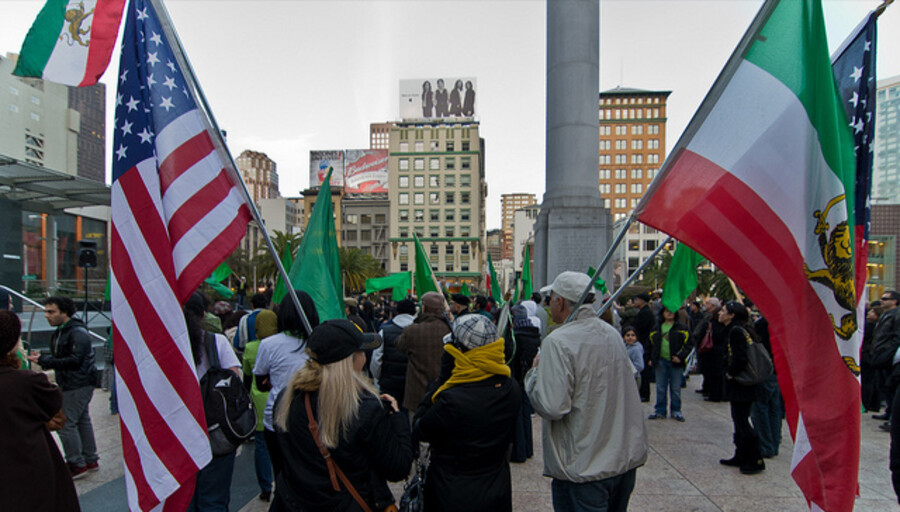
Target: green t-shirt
(664,343)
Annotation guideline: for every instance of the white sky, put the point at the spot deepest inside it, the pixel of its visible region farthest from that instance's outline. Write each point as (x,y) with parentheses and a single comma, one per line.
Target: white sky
(286,77)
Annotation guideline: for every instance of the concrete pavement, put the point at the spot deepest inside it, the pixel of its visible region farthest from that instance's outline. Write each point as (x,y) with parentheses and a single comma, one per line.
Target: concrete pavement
(682,473)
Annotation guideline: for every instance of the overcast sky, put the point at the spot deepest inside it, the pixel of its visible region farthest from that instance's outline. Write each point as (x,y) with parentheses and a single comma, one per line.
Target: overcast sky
(286,77)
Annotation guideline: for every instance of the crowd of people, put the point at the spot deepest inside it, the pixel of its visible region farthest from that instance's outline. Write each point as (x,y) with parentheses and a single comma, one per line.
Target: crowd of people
(441,381)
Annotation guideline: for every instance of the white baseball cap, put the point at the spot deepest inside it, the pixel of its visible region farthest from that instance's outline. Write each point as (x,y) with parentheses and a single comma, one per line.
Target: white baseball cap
(568,285)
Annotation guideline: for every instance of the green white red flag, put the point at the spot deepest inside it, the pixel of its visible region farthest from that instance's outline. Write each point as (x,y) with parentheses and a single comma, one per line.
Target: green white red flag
(762,183)
(71,41)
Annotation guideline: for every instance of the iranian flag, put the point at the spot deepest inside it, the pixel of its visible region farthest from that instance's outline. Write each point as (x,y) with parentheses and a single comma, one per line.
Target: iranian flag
(71,41)
(761,184)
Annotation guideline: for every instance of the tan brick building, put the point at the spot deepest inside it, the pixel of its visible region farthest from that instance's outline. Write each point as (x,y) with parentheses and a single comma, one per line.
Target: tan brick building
(509,203)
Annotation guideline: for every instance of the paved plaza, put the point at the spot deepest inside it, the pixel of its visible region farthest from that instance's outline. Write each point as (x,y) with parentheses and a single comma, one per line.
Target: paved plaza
(681,475)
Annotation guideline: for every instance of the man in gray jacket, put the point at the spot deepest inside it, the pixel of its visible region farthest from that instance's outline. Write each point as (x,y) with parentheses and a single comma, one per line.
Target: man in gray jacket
(594,435)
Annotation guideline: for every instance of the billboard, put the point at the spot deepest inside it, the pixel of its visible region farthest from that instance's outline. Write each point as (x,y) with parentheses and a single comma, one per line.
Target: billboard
(359,171)
(320,161)
(436,98)
(365,171)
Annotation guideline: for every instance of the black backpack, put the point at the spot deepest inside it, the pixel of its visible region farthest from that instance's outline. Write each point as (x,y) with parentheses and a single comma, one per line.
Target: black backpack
(230,414)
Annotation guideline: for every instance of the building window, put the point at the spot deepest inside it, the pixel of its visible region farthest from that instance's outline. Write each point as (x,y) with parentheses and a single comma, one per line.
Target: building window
(634,202)
(365,236)
(434,180)
(419,215)
(620,188)
(652,159)
(464,230)
(621,174)
(448,249)
(450,181)
(605,130)
(465,145)
(404,215)
(604,174)
(620,202)
(650,245)
(419,181)
(450,198)
(380,218)
(621,159)
(13,108)
(404,147)
(606,203)
(653,129)
(351,219)
(434,231)
(604,188)
(651,173)
(35,117)
(464,249)
(404,267)
(365,219)
(433,145)
(449,232)
(653,144)
(13,91)
(434,164)
(605,159)
(403,198)
(465,163)
(419,198)
(637,188)
(419,231)
(349,236)
(605,145)
(637,174)
(465,198)
(420,146)
(621,130)
(450,164)
(450,215)
(637,144)
(637,130)
(621,144)
(404,164)
(450,146)
(464,215)
(465,180)
(637,159)
(634,245)
(419,164)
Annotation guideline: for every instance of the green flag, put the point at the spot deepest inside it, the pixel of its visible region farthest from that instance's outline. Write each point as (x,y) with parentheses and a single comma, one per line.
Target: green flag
(286,261)
(399,283)
(215,280)
(317,270)
(494,284)
(424,278)
(682,277)
(515,291)
(465,290)
(599,283)
(527,289)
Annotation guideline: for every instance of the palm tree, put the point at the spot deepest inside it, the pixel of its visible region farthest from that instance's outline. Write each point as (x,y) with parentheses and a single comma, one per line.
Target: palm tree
(265,265)
(655,273)
(356,267)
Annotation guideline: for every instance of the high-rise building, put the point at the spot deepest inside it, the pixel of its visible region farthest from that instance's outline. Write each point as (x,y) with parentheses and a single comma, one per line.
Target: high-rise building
(523,234)
(886,171)
(379,135)
(632,148)
(259,173)
(632,145)
(884,248)
(437,191)
(494,240)
(90,103)
(509,203)
(365,225)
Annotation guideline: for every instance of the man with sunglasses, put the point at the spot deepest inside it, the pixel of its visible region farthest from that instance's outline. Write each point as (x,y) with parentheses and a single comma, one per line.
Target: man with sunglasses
(887,334)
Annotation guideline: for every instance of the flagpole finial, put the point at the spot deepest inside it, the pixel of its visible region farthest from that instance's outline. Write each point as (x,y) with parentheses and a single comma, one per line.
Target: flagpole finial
(884,5)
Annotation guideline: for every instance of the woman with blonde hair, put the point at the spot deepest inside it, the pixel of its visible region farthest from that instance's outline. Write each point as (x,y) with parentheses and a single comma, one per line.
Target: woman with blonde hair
(341,441)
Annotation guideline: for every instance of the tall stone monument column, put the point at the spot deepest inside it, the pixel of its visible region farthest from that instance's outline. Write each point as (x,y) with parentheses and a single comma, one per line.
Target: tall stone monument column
(573,230)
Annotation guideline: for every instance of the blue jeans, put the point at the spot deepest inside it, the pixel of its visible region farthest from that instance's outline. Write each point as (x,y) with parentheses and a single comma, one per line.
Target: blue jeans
(213,491)
(262,462)
(607,495)
(767,413)
(668,376)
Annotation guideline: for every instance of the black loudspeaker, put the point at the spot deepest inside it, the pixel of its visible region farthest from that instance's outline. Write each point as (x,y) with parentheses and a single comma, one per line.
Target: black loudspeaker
(87,253)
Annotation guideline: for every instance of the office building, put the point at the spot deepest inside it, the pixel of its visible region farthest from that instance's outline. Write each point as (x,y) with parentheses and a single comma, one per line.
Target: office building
(437,191)
(379,135)
(494,240)
(886,168)
(523,234)
(509,203)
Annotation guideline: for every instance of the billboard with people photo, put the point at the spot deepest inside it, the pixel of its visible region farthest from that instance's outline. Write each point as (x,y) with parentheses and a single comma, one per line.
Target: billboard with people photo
(436,98)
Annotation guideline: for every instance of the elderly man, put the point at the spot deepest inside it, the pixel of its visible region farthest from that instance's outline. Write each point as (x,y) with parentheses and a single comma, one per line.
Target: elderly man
(581,384)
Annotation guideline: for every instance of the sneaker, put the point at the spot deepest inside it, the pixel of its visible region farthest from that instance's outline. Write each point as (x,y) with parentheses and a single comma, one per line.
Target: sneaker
(78,471)
(655,416)
(92,466)
(678,417)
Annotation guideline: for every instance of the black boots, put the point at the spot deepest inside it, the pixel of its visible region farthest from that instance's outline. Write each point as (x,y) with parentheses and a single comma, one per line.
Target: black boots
(747,456)
(738,458)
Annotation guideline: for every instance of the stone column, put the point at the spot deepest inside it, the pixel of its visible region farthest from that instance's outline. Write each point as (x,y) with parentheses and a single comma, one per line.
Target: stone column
(573,230)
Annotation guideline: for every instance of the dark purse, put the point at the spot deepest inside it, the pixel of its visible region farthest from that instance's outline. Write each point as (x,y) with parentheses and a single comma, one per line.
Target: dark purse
(759,364)
(706,344)
(413,499)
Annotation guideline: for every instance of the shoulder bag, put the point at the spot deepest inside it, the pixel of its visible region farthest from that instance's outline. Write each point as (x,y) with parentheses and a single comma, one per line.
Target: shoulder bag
(706,344)
(759,364)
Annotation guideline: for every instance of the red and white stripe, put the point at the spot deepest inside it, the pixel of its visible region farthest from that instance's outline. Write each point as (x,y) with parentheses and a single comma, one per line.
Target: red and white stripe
(171,227)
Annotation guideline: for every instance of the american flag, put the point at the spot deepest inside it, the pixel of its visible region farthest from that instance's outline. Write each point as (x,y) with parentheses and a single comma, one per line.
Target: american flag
(176,215)
(854,71)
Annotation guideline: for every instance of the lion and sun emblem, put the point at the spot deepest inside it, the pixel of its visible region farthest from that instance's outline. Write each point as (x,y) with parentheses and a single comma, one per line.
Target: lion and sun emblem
(76,17)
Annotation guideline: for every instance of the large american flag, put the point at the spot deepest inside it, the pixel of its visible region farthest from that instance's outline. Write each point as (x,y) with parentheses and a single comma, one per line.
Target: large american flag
(176,215)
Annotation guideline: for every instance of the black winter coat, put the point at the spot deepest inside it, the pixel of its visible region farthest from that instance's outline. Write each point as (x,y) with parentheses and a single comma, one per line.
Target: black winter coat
(71,355)
(393,363)
(735,363)
(528,341)
(470,429)
(375,448)
(679,343)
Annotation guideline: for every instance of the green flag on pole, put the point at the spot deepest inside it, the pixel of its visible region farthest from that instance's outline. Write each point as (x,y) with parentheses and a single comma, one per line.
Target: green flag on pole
(599,283)
(527,289)
(495,285)
(317,270)
(215,280)
(399,283)
(465,290)
(424,278)
(286,261)
(682,277)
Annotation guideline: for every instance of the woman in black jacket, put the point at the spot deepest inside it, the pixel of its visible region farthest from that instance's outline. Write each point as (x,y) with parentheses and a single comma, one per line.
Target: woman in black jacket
(469,422)
(670,345)
(740,335)
(361,433)
(527,342)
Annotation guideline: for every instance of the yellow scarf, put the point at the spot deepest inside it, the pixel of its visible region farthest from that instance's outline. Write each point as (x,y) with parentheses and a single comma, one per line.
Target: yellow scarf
(475,365)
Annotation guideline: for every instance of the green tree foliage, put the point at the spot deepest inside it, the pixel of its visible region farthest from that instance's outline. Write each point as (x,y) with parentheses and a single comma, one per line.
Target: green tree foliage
(356,267)
(266,270)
